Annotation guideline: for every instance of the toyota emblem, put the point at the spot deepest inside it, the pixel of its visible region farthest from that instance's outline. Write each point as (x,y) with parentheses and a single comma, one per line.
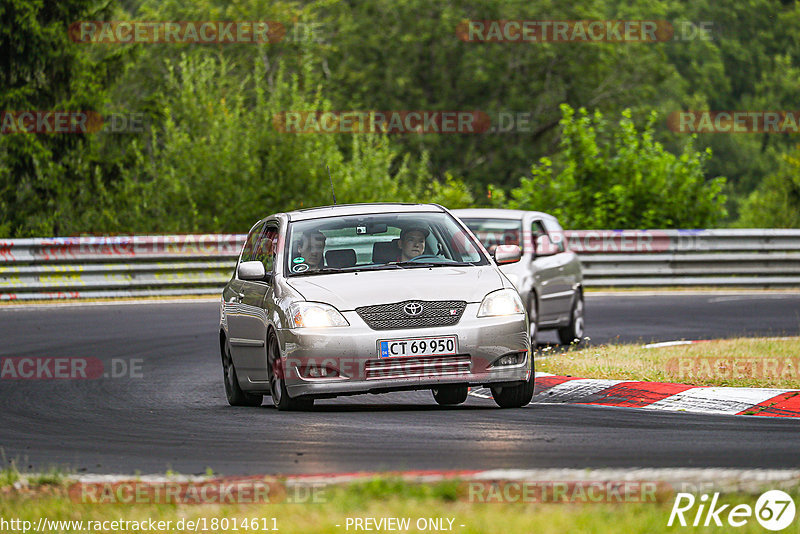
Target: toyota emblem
(412,309)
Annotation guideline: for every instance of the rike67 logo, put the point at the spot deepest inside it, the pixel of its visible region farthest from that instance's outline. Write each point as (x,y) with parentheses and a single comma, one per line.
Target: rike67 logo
(774,510)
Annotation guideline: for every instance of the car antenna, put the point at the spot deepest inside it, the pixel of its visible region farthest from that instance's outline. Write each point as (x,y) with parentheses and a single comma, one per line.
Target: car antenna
(332,190)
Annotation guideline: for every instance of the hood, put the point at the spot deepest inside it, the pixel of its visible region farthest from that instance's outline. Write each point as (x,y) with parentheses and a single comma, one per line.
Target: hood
(347,291)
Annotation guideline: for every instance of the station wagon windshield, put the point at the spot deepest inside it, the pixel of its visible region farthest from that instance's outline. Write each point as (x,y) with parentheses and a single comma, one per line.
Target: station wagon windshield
(379,241)
(493,232)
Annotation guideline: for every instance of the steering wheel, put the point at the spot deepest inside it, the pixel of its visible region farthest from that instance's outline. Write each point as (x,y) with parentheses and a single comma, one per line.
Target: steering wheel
(425,257)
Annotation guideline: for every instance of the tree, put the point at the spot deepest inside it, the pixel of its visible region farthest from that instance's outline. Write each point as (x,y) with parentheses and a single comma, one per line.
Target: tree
(217,162)
(776,201)
(40,71)
(609,175)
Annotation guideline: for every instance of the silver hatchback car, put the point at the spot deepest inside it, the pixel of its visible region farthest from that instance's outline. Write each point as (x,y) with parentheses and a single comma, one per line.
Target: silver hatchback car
(548,276)
(371,298)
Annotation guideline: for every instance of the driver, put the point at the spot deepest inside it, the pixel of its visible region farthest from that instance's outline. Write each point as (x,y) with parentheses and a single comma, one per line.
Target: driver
(412,242)
(311,246)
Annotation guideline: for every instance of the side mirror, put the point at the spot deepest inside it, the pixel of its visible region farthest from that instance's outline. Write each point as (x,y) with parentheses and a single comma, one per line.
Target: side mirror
(252,270)
(507,254)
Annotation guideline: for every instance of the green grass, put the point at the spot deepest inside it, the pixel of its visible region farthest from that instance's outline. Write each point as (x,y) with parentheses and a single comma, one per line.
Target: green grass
(743,362)
(9,475)
(383,497)
(52,477)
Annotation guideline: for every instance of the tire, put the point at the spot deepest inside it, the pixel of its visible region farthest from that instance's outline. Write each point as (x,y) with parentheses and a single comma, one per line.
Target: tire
(533,318)
(277,384)
(450,395)
(575,329)
(236,396)
(515,396)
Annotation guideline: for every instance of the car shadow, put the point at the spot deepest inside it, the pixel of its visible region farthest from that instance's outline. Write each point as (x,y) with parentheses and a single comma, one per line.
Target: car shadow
(350,408)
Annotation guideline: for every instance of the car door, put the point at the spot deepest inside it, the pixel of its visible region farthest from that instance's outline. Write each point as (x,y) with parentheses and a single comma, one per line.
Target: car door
(254,295)
(545,273)
(247,327)
(233,300)
(563,283)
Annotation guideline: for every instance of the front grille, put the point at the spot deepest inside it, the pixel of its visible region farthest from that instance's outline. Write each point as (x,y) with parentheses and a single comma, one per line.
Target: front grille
(391,316)
(427,366)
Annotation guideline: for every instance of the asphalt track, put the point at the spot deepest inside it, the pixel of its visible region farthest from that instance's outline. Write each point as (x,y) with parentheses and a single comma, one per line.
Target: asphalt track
(175,416)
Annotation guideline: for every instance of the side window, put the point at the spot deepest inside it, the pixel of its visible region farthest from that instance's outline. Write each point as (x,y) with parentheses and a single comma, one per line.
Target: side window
(541,240)
(252,241)
(267,247)
(556,234)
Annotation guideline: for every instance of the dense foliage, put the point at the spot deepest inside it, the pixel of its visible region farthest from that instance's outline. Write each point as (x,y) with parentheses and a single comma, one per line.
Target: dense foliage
(211,159)
(608,175)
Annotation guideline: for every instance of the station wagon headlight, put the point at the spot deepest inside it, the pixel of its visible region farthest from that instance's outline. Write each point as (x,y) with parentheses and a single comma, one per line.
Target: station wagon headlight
(315,315)
(501,302)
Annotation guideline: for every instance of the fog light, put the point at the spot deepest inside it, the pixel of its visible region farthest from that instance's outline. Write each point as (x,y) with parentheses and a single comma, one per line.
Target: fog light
(510,359)
(313,371)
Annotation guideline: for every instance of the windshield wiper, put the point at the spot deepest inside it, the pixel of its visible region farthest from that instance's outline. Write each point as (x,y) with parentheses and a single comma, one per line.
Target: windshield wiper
(324,270)
(353,269)
(405,264)
(377,267)
(382,266)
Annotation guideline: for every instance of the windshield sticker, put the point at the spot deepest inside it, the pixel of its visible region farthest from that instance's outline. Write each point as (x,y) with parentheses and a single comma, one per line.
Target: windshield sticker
(300,268)
(299,259)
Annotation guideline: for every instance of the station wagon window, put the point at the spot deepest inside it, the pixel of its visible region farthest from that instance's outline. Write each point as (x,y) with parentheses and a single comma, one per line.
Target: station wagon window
(556,234)
(493,232)
(545,245)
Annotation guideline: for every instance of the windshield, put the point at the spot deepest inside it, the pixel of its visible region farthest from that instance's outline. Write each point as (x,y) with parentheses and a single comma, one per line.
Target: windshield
(493,232)
(379,241)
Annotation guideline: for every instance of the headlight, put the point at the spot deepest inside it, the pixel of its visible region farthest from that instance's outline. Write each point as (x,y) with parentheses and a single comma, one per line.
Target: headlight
(315,315)
(501,302)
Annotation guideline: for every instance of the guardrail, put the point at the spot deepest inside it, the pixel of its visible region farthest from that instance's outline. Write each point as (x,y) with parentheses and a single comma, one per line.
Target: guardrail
(658,258)
(121,266)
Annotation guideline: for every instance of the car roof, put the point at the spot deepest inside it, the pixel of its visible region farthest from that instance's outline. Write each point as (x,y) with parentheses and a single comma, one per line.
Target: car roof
(495,213)
(361,209)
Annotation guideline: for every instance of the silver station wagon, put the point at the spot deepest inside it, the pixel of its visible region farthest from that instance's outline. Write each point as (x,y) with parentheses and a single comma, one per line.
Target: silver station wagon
(548,276)
(371,298)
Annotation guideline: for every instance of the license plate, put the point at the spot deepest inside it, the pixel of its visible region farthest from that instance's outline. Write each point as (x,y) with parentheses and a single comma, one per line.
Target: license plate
(418,346)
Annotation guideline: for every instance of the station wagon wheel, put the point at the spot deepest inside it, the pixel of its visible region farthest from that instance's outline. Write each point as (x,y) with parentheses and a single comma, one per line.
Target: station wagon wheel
(236,396)
(450,395)
(573,332)
(277,382)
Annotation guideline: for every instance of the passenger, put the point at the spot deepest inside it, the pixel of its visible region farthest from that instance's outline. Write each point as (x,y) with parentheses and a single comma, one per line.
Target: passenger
(412,242)
(312,245)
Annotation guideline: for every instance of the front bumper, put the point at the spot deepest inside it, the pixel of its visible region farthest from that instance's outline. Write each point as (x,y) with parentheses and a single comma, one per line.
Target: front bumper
(353,353)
